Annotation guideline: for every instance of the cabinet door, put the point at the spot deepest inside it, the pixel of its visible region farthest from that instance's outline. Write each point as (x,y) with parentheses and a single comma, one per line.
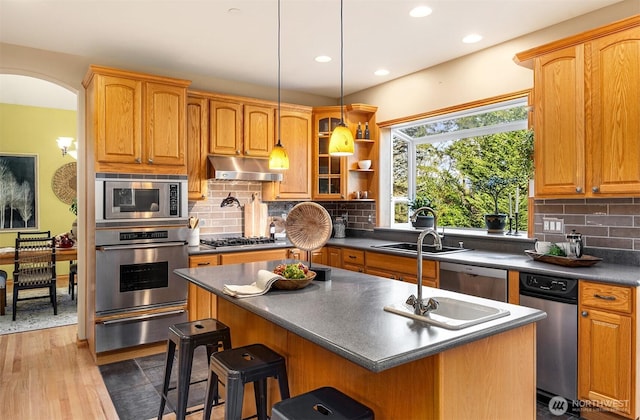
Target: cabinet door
(615,138)
(334,257)
(165,142)
(197,132)
(559,150)
(605,359)
(296,138)
(118,119)
(201,303)
(225,127)
(319,256)
(329,179)
(258,130)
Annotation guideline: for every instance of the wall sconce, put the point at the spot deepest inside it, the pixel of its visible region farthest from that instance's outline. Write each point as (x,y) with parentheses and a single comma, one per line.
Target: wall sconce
(64,143)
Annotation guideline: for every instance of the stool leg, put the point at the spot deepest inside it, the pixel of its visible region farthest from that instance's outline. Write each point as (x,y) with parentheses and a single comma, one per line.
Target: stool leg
(210,350)
(233,404)
(171,349)
(283,382)
(185,361)
(260,391)
(212,390)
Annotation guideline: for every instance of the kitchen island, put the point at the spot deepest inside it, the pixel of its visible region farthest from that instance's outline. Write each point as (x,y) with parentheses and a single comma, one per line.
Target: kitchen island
(336,333)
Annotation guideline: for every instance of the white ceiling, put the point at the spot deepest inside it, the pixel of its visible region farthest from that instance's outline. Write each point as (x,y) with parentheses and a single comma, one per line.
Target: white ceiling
(237,39)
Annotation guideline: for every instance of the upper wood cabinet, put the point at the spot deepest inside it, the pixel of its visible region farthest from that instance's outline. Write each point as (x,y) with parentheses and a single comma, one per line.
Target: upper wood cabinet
(197,135)
(135,121)
(295,132)
(587,113)
(338,178)
(241,129)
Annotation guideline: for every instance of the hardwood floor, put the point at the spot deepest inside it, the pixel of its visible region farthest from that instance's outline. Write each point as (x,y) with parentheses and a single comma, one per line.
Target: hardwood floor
(45,375)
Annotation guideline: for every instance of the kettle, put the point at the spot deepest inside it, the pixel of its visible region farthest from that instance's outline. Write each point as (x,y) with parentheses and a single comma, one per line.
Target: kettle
(575,241)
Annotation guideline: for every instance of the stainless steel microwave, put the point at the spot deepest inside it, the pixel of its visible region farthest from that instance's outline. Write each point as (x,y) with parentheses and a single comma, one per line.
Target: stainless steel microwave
(134,198)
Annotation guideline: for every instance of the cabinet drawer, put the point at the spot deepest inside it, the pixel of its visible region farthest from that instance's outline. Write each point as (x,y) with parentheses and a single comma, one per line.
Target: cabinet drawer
(352,256)
(399,264)
(606,296)
(203,260)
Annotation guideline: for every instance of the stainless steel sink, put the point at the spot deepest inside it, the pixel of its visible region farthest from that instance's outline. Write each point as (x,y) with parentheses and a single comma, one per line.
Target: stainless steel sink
(452,314)
(413,248)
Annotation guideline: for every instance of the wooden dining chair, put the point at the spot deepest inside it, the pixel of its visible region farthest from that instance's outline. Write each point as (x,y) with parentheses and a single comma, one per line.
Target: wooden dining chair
(35,268)
(34,234)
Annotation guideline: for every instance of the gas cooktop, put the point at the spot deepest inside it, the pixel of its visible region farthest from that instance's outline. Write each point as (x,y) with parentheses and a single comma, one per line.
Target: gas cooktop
(237,242)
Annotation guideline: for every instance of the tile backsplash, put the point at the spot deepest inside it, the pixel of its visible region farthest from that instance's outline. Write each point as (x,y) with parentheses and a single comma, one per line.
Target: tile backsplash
(607,223)
(216,220)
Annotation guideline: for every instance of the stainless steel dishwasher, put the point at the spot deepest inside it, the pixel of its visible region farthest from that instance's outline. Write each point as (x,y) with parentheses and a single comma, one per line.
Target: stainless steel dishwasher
(490,283)
(556,335)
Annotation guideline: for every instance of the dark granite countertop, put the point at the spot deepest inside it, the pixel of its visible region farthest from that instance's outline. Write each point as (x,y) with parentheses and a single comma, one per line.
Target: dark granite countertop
(604,271)
(345,315)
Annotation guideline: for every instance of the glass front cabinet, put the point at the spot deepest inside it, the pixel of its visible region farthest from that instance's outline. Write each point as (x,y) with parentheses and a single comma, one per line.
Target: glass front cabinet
(340,178)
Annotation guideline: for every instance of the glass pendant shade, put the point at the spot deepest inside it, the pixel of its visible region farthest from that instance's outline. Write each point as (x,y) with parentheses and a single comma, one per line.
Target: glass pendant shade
(278,158)
(341,142)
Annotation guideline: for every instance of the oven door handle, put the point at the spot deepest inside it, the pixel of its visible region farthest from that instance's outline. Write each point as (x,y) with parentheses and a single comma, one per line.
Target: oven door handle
(139,246)
(142,317)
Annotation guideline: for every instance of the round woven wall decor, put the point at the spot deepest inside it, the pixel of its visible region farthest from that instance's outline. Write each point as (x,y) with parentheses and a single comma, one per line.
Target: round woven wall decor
(308,226)
(64,183)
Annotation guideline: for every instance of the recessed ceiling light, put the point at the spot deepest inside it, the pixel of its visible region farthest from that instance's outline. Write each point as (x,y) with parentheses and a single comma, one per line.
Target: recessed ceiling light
(233,11)
(471,38)
(323,59)
(420,11)
(381,72)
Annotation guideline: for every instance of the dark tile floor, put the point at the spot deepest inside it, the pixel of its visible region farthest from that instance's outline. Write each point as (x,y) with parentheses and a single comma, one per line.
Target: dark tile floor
(135,385)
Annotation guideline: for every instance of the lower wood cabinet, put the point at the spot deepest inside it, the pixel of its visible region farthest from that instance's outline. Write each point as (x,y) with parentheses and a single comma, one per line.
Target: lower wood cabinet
(201,303)
(401,268)
(607,350)
(353,259)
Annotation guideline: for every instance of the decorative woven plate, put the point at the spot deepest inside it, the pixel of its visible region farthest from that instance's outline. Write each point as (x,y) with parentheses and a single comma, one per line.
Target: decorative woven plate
(308,226)
(295,284)
(64,182)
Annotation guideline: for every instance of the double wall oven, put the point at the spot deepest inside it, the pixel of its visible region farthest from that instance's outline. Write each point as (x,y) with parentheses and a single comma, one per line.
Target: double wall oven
(141,234)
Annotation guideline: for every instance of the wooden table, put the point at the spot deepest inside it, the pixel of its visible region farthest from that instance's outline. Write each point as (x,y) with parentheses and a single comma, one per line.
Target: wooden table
(8,258)
(62,254)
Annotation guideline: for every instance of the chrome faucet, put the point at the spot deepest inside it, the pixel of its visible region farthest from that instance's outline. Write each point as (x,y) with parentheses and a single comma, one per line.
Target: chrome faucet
(418,303)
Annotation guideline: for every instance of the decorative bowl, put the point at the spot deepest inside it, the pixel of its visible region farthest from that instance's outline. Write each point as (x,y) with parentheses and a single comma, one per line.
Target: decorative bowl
(364,164)
(294,284)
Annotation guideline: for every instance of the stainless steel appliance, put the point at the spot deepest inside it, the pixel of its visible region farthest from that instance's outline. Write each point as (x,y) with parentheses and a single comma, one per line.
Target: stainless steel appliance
(557,335)
(490,283)
(124,198)
(138,296)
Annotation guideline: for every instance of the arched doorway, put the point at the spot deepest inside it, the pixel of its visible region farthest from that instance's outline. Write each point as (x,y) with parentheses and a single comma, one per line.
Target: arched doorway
(33,113)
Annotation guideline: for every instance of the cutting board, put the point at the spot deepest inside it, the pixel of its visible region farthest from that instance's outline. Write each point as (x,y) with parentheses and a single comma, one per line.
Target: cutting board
(256,214)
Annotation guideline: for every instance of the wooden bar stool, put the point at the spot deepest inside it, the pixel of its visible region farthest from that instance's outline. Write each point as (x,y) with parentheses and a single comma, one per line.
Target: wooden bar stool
(187,336)
(236,367)
(323,403)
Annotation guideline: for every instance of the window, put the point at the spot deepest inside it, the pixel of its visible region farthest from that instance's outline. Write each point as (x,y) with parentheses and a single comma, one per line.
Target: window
(448,158)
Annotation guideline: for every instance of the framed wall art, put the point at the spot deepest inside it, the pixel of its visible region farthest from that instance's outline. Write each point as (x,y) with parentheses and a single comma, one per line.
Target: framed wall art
(18,192)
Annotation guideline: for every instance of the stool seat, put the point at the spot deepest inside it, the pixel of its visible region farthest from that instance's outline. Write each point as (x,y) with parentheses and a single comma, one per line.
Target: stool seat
(323,403)
(236,367)
(187,336)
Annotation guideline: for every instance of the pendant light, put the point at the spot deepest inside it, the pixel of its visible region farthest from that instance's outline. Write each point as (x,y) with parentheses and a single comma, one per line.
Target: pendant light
(341,141)
(278,158)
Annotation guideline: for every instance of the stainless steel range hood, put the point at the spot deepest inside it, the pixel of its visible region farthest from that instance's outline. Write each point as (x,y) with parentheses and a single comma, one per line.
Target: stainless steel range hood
(241,168)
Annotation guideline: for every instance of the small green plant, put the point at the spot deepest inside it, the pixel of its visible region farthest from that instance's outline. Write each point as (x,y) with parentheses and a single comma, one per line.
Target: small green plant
(493,187)
(421,201)
(73,208)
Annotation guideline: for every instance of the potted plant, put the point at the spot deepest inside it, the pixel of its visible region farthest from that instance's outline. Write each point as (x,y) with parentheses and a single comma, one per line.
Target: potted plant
(421,220)
(493,187)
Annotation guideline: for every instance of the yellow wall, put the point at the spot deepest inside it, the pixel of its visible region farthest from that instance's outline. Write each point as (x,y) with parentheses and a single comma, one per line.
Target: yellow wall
(33,130)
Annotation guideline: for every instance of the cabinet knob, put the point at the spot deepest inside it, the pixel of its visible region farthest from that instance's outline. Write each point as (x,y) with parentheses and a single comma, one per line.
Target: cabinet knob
(150,160)
(584,313)
(138,160)
(595,189)
(237,152)
(578,189)
(247,153)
